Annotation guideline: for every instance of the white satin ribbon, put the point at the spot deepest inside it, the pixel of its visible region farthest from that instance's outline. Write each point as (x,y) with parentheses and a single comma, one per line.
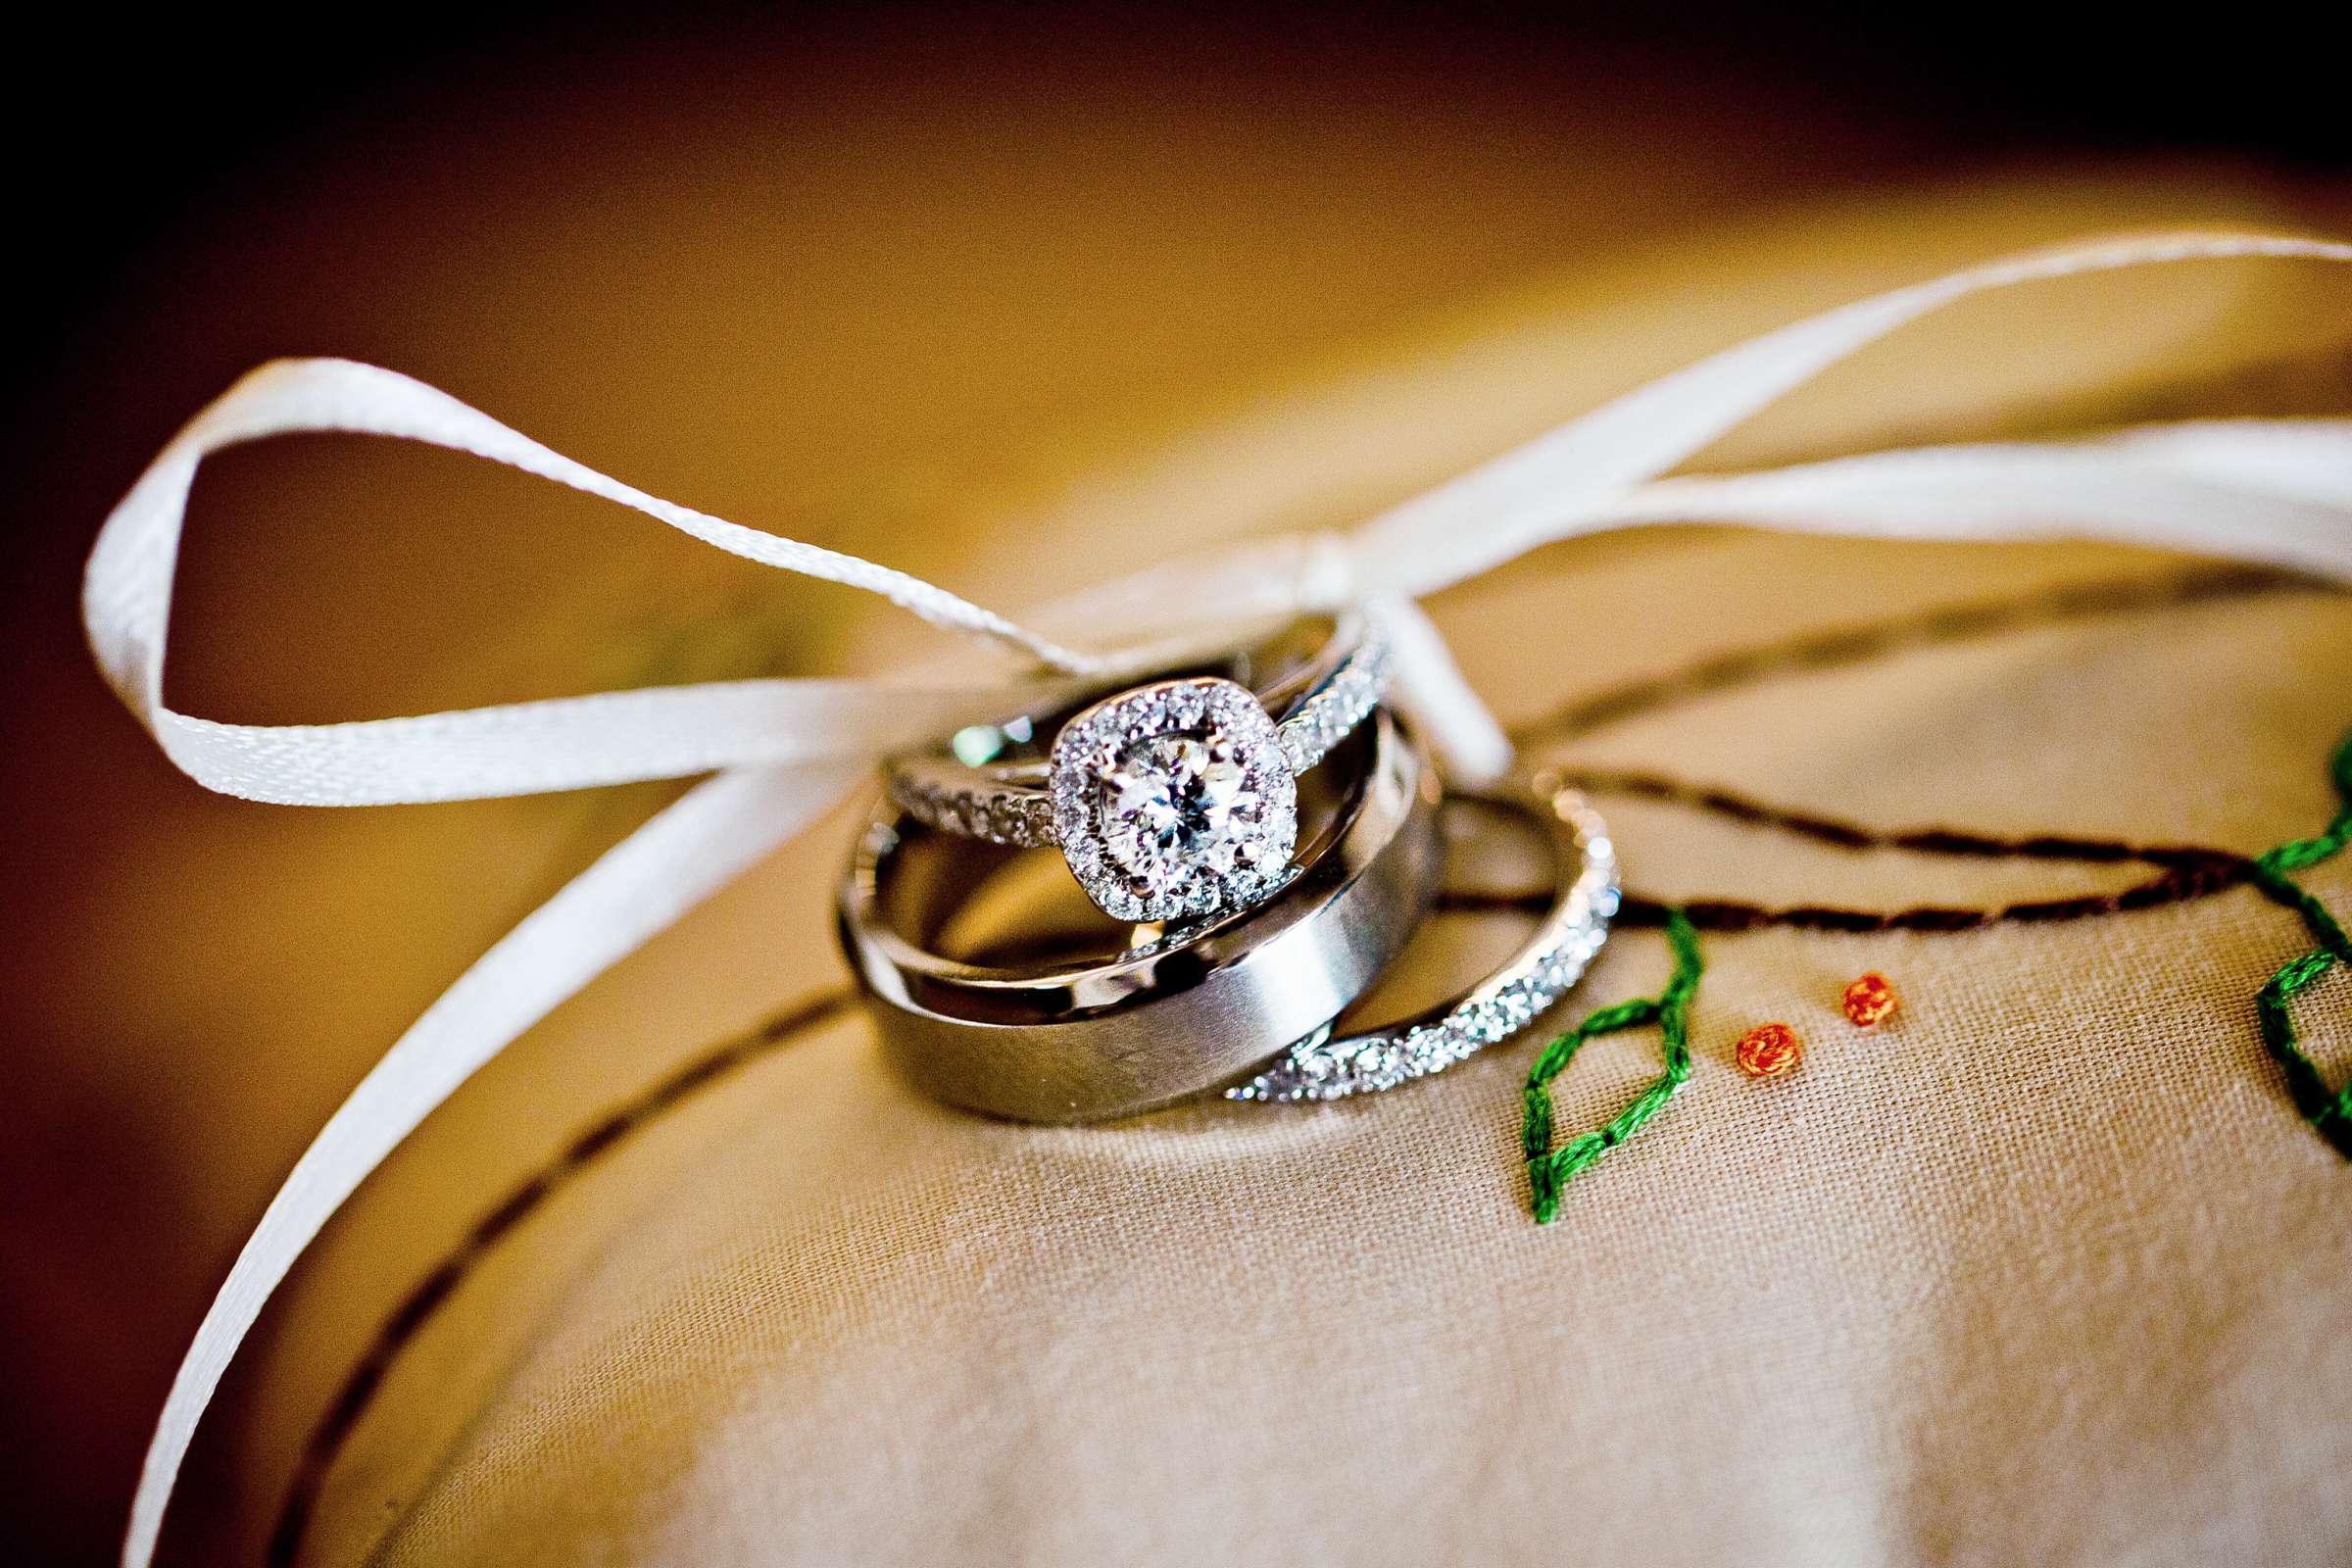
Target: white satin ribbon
(783,750)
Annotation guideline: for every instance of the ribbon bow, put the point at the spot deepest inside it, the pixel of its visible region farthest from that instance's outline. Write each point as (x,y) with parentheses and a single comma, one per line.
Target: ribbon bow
(783,750)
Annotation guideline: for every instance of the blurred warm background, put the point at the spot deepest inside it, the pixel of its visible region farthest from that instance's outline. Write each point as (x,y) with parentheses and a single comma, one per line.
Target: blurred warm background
(872,276)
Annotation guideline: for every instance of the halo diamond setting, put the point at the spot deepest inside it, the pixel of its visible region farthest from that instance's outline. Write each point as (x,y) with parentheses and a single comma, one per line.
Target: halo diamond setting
(1174,801)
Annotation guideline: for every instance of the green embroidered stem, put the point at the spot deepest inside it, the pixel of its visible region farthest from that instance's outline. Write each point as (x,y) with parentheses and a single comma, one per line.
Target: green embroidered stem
(1549,1169)
(2329,1111)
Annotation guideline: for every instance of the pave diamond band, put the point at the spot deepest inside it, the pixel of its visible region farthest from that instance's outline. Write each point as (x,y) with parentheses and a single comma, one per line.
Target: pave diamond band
(1171,800)
(1329,712)
(997,813)
(1538,974)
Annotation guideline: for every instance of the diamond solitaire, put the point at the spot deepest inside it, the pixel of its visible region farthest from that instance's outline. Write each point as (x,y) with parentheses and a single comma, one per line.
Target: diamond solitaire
(1174,800)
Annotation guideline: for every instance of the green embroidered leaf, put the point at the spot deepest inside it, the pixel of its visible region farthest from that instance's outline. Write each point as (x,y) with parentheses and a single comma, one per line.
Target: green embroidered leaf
(1549,1169)
(2329,1111)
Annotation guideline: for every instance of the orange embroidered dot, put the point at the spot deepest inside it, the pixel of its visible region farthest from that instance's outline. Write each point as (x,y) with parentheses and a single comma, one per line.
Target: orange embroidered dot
(1869,1000)
(1768,1050)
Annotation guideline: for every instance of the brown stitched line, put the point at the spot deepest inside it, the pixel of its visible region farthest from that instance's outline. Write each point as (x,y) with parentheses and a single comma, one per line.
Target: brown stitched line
(2186,870)
(1848,835)
(1953,623)
(601,1138)
(2190,873)
(2176,886)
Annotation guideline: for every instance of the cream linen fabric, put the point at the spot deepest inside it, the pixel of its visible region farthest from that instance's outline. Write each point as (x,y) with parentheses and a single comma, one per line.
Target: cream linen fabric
(2045,1271)
(2048,1270)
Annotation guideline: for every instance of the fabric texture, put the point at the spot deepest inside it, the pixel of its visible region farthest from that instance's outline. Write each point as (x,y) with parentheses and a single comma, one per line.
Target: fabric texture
(2045,1268)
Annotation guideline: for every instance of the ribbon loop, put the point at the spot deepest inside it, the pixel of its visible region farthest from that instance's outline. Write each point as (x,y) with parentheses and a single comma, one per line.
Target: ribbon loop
(612,737)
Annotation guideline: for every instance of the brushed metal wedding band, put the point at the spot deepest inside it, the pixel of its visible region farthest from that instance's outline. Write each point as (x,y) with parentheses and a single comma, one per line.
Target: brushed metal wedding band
(1173,799)
(1187,1010)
